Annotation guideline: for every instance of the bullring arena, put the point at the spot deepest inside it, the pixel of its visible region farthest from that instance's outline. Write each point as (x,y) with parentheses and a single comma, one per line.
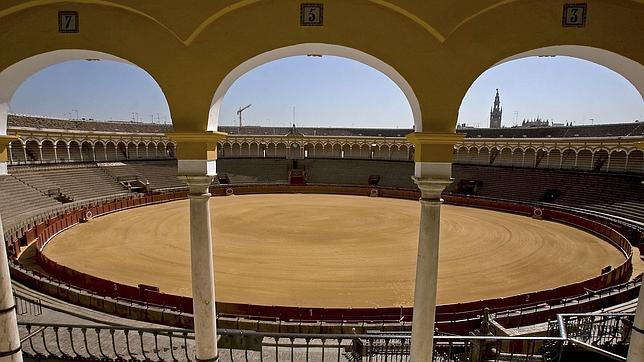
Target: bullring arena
(315,229)
(320,238)
(333,251)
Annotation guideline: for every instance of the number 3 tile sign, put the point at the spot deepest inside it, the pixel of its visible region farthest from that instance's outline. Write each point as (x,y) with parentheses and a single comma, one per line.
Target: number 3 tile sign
(574,15)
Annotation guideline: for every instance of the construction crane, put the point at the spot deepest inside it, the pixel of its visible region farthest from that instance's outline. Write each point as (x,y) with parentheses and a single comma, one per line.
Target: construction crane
(239,113)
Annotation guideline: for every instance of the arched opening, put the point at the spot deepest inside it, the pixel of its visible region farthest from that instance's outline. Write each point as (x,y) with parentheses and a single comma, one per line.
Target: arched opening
(529,157)
(461,155)
(635,161)
(32,151)
(312,49)
(170,151)
(18,155)
(617,161)
(61,151)
(592,85)
(554,159)
(110,151)
(254,150)
(600,160)
(244,150)
(12,77)
(121,151)
(236,150)
(161,150)
(568,159)
(320,150)
(87,152)
(48,152)
(100,151)
(336,151)
(505,157)
(355,151)
(480,156)
(280,150)
(627,68)
(132,151)
(271,150)
(517,157)
(542,157)
(142,150)
(75,152)
(584,160)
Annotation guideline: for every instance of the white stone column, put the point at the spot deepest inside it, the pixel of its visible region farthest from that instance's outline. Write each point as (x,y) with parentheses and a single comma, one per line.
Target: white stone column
(40,152)
(9,337)
(201,261)
(69,153)
(636,347)
(422,334)
(24,151)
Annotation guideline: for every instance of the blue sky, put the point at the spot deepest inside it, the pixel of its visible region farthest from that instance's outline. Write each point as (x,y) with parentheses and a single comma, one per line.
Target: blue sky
(338,92)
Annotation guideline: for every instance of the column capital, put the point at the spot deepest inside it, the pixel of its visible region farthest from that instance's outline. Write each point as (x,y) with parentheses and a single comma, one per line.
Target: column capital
(197,184)
(431,188)
(434,147)
(433,153)
(196,152)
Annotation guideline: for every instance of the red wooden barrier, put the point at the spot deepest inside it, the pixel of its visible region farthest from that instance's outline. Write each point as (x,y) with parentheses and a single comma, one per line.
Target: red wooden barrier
(444,312)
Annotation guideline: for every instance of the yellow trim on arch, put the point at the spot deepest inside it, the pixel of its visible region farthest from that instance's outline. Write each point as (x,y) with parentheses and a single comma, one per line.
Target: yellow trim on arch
(35,3)
(430,29)
(244,3)
(211,19)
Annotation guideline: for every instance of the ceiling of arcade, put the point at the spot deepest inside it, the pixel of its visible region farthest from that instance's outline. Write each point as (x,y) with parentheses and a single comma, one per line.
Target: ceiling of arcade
(438,47)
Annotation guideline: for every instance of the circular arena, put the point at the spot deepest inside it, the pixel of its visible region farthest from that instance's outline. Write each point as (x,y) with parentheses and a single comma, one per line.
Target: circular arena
(333,251)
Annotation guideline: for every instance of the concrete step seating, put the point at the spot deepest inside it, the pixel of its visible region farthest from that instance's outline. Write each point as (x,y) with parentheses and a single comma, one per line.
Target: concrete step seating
(620,195)
(17,198)
(160,174)
(265,170)
(80,183)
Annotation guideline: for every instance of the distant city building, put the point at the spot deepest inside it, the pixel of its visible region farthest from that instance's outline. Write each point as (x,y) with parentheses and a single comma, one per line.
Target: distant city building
(537,122)
(495,112)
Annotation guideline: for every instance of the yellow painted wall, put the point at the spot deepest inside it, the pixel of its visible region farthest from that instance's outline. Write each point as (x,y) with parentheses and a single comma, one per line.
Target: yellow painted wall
(439,47)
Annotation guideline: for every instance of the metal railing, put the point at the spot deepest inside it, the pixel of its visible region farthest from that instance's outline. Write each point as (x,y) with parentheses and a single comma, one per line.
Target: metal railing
(41,341)
(26,306)
(603,333)
(593,332)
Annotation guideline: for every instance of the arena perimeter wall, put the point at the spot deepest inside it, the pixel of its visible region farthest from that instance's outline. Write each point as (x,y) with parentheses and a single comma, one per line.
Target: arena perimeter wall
(453,317)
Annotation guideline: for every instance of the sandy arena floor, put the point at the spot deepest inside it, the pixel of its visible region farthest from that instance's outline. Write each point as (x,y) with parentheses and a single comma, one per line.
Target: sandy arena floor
(333,251)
